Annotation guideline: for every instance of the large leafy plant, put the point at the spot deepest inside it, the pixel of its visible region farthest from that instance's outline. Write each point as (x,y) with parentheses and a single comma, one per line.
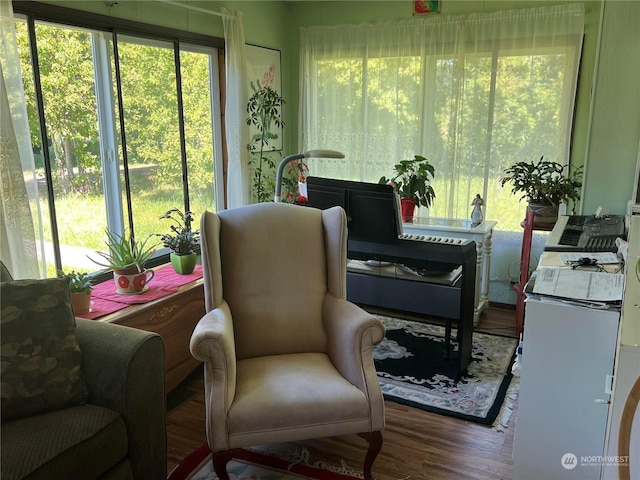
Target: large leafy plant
(264,109)
(412,179)
(124,252)
(182,240)
(543,182)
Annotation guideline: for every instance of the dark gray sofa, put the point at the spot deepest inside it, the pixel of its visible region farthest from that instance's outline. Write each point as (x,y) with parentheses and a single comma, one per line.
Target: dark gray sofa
(119,434)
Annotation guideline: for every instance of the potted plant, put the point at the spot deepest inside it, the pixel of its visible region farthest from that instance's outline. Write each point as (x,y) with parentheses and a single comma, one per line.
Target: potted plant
(264,109)
(294,186)
(412,181)
(80,287)
(183,241)
(127,258)
(544,185)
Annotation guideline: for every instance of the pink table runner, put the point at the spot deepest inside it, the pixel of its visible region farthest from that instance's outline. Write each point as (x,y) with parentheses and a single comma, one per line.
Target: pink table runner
(105,300)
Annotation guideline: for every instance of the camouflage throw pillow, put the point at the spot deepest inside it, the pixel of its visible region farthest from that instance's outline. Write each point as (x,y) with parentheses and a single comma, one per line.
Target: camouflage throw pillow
(40,369)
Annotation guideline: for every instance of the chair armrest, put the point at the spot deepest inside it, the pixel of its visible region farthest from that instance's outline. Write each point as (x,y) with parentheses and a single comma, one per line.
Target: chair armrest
(212,342)
(351,332)
(124,370)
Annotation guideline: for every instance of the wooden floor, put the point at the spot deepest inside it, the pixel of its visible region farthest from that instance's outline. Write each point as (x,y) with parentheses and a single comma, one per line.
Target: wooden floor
(417,444)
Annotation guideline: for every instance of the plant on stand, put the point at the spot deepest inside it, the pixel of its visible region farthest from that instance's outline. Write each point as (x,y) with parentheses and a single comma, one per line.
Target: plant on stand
(80,287)
(183,241)
(545,186)
(412,180)
(127,258)
(264,109)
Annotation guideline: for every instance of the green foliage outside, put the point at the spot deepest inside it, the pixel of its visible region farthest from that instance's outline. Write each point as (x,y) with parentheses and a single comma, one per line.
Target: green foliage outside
(452,132)
(150,101)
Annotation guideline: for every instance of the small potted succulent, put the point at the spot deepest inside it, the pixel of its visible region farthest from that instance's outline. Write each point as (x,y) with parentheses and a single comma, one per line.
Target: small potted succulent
(545,185)
(183,241)
(80,287)
(412,180)
(127,258)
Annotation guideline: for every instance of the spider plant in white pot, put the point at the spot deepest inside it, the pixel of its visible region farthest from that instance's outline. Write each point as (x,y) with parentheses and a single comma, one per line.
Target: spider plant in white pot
(127,258)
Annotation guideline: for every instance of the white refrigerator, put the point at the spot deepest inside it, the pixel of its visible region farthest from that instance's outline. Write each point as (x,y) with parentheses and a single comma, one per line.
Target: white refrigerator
(567,362)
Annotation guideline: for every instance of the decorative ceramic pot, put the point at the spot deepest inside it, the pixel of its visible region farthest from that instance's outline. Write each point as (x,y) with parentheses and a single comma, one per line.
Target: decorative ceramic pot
(183,264)
(407,206)
(131,281)
(544,214)
(81,302)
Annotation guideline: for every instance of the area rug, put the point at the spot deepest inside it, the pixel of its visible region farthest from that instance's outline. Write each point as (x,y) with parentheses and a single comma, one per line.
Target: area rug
(413,370)
(269,462)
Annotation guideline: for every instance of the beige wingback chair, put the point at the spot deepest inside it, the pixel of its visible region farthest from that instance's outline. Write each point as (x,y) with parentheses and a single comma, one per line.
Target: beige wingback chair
(286,357)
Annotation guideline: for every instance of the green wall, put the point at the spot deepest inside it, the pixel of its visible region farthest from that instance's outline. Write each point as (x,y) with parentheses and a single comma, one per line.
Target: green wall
(615,128)
(609,118)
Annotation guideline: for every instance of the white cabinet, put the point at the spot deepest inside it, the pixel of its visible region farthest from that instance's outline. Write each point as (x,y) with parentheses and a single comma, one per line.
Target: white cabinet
(568,354)
(627,368)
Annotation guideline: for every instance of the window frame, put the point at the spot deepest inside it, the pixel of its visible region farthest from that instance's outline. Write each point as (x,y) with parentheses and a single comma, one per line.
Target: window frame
(105,29)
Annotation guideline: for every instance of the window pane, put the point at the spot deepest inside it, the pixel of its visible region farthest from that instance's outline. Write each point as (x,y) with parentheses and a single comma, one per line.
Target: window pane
(196,96)
(152,133)
(66,73)
(78,77)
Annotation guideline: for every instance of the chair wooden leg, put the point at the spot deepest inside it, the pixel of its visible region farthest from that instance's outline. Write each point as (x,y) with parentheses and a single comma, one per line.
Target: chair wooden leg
(220,460)
(375,445)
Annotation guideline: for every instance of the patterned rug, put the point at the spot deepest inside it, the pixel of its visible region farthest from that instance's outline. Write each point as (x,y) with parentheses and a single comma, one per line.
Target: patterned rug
(412,370)
(269,462)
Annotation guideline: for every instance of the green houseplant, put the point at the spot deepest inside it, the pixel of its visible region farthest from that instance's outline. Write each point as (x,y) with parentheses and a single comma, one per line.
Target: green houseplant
(80,287)
(545,185)
(127,257)
(412,180)
(183,241)
(264,109)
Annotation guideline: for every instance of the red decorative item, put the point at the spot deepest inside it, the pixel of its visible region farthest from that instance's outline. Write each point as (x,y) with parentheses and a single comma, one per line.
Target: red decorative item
(139,282)
(407,206)
(123,282)
(421,7)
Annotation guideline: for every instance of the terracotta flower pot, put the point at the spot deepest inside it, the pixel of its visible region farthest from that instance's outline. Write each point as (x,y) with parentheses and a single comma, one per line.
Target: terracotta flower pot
(81,302)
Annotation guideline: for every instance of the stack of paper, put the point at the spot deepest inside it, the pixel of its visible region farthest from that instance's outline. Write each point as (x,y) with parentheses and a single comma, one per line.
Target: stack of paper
(579,284)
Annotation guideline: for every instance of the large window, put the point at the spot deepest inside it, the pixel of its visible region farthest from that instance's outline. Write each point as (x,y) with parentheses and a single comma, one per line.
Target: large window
(124,127)
(473,94)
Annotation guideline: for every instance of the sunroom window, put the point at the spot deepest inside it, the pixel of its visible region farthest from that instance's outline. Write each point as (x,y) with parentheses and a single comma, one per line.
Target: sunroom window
(132,130)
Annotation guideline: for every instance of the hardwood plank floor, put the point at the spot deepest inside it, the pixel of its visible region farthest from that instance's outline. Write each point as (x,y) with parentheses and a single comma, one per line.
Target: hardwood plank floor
(417,444)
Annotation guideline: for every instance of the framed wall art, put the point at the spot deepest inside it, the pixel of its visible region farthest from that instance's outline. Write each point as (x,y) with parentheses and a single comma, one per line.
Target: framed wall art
(424,7)
(264,69)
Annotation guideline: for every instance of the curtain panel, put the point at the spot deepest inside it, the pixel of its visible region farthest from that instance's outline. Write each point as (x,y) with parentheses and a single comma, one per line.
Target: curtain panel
(22,246)
(237,96)
(474,94)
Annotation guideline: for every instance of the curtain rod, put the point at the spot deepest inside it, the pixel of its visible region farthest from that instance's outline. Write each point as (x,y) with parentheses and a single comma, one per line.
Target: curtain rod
(191,7)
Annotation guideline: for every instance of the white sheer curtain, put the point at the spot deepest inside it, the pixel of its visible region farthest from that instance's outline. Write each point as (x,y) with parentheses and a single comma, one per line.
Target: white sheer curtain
(21,248)
(236,130)
(472,93)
